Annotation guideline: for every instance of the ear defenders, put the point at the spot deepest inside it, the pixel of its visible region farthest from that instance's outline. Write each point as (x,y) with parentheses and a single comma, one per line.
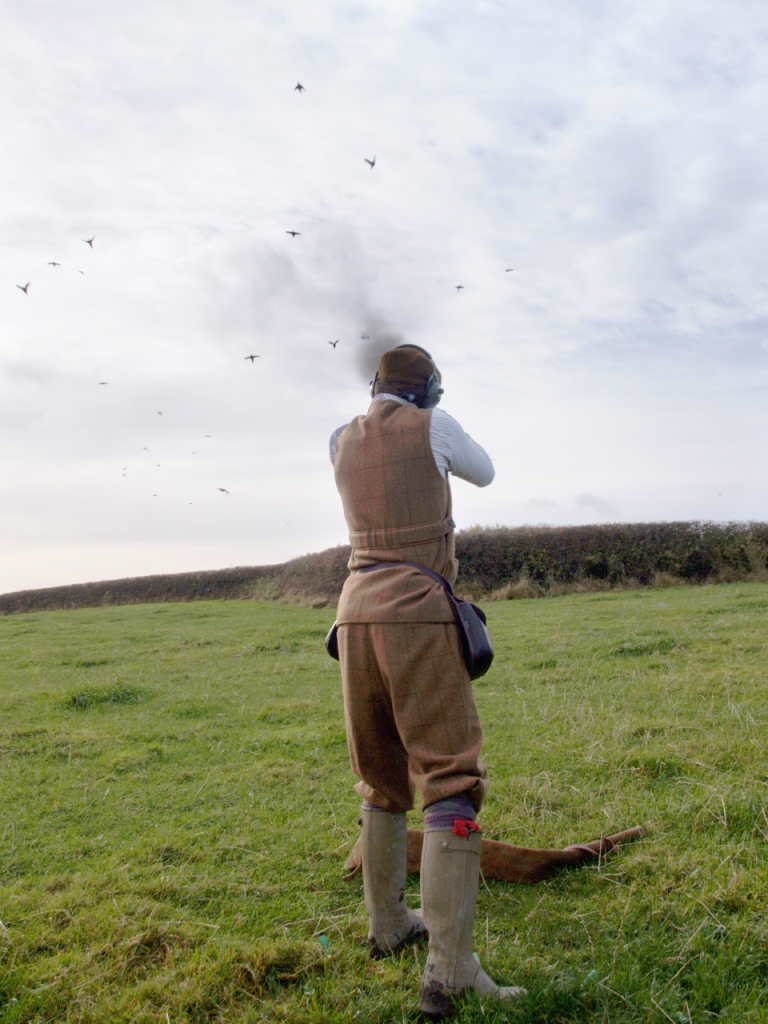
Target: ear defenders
(433,390)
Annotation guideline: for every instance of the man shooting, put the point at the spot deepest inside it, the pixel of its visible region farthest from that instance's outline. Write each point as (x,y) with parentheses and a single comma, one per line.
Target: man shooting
(410,715)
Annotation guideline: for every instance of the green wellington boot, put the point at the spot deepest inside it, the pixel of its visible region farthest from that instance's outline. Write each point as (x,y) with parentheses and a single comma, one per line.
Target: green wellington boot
(450,874)
(384,849)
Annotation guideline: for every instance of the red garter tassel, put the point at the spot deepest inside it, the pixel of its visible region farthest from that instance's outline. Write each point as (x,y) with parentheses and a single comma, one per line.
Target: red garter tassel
(463,826)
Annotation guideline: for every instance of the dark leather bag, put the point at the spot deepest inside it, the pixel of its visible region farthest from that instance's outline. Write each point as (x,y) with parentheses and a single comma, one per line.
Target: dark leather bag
(476,647)
(332,641)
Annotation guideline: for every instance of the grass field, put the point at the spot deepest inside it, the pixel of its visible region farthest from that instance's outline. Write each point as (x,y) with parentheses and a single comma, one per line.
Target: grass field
(175,809)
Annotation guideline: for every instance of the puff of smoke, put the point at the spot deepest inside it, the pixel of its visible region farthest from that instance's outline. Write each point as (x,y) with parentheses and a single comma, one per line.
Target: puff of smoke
(377,337)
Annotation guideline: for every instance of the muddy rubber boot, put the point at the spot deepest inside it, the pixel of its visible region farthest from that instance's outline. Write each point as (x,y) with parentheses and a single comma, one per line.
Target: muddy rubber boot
(450,874)
(384,849)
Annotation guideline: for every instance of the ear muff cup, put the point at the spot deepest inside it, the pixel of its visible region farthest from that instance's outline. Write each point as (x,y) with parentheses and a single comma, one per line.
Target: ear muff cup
(434,392)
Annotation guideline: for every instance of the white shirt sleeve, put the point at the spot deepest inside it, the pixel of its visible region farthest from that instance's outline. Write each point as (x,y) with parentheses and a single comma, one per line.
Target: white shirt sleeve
(333,443)
(455,451)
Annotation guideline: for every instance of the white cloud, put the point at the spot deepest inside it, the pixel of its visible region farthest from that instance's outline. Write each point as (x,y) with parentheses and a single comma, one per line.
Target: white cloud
(595,505)
(615,157)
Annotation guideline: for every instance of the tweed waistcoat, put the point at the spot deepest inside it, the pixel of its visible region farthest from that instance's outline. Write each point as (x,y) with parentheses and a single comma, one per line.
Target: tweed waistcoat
(398,509)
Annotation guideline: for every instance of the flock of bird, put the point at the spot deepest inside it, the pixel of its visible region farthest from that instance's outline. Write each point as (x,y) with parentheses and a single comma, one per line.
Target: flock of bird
(52,263)
(104,383)
(253,357)
(299,88)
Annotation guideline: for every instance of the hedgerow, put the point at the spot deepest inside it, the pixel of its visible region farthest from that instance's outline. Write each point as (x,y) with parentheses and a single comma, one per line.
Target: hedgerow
(615,553)
(502,562)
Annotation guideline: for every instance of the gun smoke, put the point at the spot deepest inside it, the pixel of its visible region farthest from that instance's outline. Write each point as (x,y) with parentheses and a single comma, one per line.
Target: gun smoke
(377,337)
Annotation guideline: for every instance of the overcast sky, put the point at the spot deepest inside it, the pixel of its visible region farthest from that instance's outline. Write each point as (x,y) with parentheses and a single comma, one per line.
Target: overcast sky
(614,155)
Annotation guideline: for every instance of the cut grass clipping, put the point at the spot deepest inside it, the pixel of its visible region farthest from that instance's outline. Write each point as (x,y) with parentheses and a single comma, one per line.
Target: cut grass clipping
(177,806)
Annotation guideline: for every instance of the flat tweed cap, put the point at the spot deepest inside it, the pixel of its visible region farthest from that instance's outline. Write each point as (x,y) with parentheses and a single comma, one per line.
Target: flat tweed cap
(406,365)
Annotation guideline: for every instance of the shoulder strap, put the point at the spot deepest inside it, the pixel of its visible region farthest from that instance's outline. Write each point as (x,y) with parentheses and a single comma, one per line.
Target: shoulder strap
(422,568)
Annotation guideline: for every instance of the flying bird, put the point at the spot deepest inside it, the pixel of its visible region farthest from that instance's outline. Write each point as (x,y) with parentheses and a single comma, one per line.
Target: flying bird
(223,489)
(53,263)
(89,241)
(371,163)
(509,270)
(24,287)
(193,453)
(298,87)
(252,358)
(103,382)
(334,343)
(81,272)
(145,449)
(365,337)
(159,413)
(293,233)
(459,287)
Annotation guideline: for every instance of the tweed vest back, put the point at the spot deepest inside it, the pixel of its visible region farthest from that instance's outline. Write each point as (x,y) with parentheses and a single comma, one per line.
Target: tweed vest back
(398,508)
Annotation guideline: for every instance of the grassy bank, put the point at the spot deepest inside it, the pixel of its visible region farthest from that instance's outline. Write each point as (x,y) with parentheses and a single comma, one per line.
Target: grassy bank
(495,563)
(176,808)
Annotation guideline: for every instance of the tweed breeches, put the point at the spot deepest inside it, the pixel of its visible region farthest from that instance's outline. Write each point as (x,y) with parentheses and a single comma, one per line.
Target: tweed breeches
(410,714)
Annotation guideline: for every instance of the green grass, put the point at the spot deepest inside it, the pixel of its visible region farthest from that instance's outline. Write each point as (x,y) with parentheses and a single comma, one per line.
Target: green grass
(176,805)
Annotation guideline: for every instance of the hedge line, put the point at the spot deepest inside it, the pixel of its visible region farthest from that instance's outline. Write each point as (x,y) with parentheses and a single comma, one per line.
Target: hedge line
(547,557)
(321,575)
(615,553)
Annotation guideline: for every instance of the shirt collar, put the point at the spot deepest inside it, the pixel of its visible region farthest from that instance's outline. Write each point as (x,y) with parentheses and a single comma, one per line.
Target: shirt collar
(384,397)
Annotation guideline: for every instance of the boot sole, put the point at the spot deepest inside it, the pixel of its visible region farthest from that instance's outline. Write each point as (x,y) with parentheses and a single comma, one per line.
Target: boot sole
(438,1005)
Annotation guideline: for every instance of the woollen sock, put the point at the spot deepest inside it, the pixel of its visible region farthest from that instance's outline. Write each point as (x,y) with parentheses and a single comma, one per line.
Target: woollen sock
(442,813)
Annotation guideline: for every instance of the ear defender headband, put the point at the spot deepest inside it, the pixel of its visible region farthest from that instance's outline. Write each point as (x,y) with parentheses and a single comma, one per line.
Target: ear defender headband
(434,391)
